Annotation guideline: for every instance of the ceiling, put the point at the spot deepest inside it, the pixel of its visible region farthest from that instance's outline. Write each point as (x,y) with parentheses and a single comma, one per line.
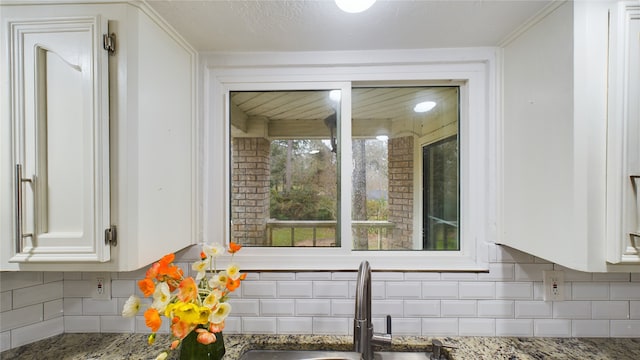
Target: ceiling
(318,25)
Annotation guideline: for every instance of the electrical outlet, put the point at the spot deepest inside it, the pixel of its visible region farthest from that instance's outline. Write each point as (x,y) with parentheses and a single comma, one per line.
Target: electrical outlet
(553,283)
(101,286)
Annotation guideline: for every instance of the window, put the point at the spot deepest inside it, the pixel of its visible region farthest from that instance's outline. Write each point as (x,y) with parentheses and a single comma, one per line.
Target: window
(284,188)
(440,195)
(334,194)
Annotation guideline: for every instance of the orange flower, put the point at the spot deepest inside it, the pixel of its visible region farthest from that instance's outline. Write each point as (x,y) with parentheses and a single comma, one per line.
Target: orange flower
(234,247)
(147,286)
(152,319)
(152,273)
(203,255)
(188,290)
(215,328)
(205,337)
(167,259)
(180,329)
(232,284)
(174,344)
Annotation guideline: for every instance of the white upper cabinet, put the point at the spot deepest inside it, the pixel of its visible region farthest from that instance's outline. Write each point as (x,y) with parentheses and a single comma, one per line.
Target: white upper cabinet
(558,134)
(623,146)
(95,146)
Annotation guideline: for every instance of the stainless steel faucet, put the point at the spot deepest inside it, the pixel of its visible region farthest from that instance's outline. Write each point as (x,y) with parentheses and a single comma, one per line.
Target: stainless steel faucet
(363,335)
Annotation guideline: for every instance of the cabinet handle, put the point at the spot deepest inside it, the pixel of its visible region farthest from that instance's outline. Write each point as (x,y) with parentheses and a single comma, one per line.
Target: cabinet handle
(19,234)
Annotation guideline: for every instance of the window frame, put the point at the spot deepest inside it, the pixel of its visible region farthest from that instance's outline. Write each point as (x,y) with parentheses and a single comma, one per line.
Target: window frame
(472,70)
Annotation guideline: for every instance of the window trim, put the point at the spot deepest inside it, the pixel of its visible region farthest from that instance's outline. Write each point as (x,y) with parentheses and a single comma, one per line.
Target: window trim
(475,68)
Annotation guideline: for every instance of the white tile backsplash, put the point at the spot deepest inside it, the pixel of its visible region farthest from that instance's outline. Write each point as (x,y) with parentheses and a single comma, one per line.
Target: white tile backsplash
(295,289)
(609,310)
(35,332)
(80,324)
(331,326)
(5,340)
(551,328)
(313,307)
(459,308)
(590,328)
(477,290)
(477,327)
(440,290)
(258,325)
(330,289)
(245,307)
(295,325)
(403,326)
(403,290)
(572,310)
(506,301)
(625,291)
(514,327)
(625,328)
(53,309)
(422,308)
(6,302)
(258,289)
(634,309)
(276,307)
(440,327)
(533,309)
(495,309)
(590,291)
(514,290)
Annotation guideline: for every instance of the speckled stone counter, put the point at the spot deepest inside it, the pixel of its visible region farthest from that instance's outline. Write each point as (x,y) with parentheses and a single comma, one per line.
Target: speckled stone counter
(134,346)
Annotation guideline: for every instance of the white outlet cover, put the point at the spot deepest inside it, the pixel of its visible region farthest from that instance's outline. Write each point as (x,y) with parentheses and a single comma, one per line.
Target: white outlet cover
(553,284)
(104,278)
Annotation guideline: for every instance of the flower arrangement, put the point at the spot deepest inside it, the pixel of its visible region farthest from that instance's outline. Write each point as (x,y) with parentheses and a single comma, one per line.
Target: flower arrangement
(190,304)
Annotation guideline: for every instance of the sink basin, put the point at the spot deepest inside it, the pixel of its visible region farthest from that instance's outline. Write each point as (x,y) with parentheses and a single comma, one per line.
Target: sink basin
(329,355)
(299,355)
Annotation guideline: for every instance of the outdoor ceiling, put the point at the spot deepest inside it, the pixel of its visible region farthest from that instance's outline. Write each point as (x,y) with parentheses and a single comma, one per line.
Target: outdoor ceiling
(318,25)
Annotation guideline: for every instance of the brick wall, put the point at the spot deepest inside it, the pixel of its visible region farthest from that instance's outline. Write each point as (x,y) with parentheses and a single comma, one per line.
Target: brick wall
(250,190)
(401,190)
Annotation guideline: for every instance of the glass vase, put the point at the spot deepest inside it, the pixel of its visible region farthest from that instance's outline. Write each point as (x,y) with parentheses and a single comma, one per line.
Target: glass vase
(191,349)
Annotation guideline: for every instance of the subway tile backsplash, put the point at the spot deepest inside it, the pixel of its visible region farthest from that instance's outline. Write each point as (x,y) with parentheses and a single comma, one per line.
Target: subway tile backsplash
(507,301)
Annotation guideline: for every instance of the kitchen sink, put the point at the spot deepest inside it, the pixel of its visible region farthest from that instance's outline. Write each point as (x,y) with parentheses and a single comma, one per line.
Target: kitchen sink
(330,355)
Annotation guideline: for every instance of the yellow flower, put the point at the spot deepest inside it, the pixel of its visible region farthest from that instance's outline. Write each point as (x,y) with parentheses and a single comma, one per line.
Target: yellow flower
(191,313)
(187,303)
(131,307)
(212,299)
(213,250)
(161,296)
(233,271)
(218,280)
(220,313)
(201,267)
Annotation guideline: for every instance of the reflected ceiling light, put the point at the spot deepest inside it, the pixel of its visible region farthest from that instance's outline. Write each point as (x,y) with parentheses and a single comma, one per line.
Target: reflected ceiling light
(335,95)
(382,137)
(313,152)
(424,106)
(354,6)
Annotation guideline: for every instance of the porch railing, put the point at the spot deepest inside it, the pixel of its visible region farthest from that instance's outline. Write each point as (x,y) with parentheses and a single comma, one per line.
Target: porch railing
(380,227)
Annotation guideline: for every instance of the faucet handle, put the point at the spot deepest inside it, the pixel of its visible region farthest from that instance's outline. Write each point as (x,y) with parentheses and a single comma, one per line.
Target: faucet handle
(436,349)
(383,339)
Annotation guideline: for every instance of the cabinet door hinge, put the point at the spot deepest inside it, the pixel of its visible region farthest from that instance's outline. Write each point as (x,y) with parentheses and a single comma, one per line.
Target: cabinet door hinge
(111,236)
(109,43)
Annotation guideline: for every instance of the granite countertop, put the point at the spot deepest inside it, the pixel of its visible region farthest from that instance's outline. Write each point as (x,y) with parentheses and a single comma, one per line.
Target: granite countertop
(134,346)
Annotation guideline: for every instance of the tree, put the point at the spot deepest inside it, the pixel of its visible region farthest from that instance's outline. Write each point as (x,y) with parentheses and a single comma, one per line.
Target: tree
(360,191)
